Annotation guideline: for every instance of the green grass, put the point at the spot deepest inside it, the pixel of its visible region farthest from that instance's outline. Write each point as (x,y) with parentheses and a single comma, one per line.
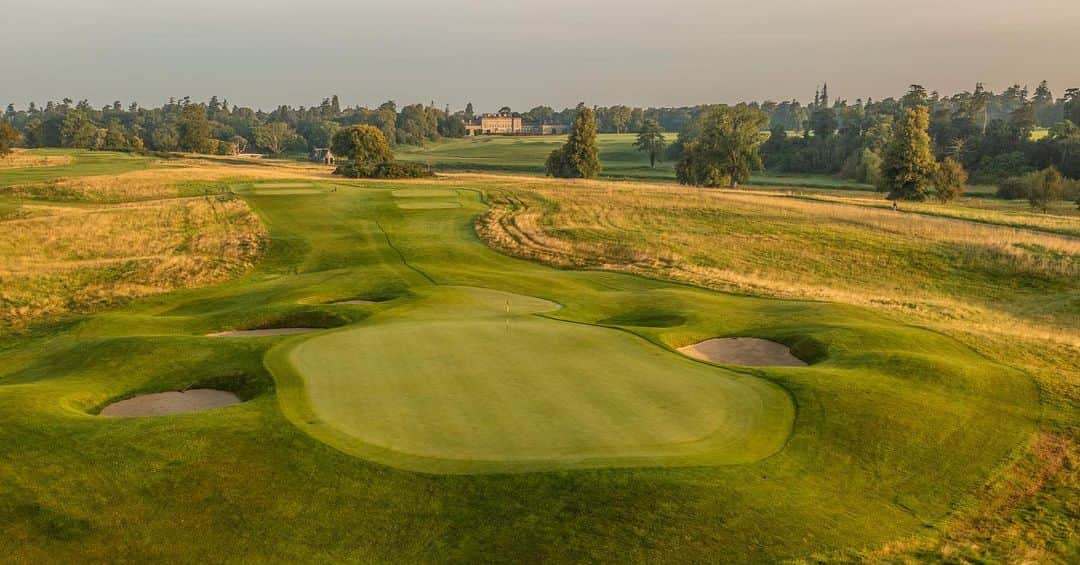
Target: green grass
(894,426)
(619,157)
(85,163)
(457,385)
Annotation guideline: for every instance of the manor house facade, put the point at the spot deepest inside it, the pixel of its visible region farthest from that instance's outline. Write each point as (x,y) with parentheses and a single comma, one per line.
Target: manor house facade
(506,123)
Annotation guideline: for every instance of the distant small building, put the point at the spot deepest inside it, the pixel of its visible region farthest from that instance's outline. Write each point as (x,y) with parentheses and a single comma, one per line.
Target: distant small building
(506,123)
(322,155)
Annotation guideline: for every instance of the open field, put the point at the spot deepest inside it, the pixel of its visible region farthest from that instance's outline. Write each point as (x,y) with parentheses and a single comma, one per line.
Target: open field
(449,373)
(621,160)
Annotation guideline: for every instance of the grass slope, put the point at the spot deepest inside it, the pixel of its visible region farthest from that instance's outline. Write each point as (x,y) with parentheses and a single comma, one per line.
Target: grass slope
(84,163)
(895,425)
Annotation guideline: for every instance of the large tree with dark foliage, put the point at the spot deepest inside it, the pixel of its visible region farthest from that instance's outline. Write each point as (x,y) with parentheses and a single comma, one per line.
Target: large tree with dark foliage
(909,166)
(362,144)
(580,156)
(193,129)
(725,151)
(651,140)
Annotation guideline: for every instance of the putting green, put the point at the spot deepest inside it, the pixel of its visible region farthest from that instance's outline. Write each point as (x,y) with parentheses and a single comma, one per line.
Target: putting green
(464,387)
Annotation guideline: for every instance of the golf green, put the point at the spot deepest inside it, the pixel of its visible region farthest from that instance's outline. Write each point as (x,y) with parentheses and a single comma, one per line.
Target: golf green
(487,386)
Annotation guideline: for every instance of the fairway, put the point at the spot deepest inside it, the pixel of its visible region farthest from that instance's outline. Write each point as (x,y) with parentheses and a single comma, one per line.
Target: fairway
(489,391)
(618,155)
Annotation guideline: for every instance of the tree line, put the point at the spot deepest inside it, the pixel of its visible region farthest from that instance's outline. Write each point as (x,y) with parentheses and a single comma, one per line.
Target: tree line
(906,152)
(991,135)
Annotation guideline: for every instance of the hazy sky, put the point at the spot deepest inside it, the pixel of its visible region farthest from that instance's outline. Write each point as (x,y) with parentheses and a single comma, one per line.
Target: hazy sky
(526,52)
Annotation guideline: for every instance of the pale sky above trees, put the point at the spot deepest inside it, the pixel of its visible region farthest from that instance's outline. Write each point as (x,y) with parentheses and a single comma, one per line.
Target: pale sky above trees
(524,53)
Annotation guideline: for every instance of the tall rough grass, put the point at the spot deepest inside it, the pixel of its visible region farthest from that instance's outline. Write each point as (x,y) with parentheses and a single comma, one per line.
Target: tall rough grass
(22,159)
(935,268)
(168,180)
(82,259)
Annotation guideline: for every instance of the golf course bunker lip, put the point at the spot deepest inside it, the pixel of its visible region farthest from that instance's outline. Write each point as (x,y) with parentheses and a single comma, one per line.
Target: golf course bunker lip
(744,351)
(173,402)
(265,332)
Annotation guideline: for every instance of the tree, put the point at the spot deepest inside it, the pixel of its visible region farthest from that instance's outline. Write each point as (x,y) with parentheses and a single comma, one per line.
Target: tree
(362,144)
(823,123)
(916,96)
(1072,105)
(77,130)
(9,136)
(579,157)
(274,137)
(868,169)
(1045,187)
(651,140)
(193,129)
(164,138)
(115,136)
(620,117)
(726,150)
(908,166)
(949,180)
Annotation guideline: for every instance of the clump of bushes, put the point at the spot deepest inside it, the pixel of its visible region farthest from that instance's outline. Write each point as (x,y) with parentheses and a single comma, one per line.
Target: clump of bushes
(369,156)
(388,170)
(1040,188)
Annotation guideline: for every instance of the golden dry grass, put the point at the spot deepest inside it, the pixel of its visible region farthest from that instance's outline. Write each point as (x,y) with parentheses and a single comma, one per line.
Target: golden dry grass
(22,159)
(166,180)
(80,259)
(777,245)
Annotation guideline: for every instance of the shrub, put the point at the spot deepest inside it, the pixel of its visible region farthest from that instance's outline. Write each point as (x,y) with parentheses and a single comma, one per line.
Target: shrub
(1045,187)
(1012,188)
(387,170)
(949,180)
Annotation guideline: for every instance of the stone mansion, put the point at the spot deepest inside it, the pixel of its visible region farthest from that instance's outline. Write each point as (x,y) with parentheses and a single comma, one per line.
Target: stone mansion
(506,123)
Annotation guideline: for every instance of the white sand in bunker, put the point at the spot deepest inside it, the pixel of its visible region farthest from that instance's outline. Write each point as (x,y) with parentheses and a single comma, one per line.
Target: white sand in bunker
(176,402)
(263,332)
(746,351)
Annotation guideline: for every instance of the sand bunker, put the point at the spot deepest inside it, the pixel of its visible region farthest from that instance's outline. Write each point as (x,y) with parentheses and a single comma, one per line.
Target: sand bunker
(165,403)
(423,193)
(263,332)
(428,205)
(747,351)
